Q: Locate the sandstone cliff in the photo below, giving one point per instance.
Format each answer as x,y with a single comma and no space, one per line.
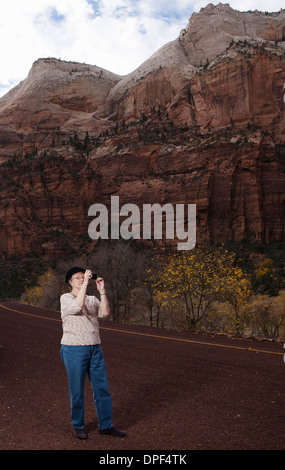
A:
201,121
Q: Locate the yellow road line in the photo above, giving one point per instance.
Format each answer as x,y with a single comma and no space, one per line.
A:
155,336
29,314
196,342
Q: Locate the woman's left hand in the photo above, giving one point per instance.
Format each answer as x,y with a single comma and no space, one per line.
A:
100,284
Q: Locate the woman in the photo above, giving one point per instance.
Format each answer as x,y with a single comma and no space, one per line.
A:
81,350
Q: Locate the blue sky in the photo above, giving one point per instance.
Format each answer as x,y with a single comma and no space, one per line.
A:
117,35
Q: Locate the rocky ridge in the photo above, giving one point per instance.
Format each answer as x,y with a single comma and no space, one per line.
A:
201,121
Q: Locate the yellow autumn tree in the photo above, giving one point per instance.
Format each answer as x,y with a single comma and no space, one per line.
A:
201,277
37,295
266,315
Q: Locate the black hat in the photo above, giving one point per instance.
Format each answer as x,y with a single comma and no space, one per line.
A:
72,271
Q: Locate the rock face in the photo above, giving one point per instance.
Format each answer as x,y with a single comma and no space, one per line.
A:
55,95
201,121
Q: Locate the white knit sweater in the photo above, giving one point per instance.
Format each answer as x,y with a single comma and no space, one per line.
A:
80,325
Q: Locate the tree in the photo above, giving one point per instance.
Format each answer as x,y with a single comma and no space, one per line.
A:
46,292
266,279
266,315
201,277
152,302
123,268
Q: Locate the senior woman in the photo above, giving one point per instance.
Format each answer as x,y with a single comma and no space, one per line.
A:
81,350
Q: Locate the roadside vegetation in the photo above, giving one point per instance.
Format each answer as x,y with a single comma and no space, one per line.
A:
210,288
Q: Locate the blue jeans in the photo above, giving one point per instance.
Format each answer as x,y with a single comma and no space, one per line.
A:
80,361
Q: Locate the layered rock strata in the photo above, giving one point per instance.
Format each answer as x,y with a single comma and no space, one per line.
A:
202,121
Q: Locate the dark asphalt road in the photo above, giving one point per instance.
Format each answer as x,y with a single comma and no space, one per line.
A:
170,390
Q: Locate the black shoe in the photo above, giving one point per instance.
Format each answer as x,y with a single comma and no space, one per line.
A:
80,433
113,432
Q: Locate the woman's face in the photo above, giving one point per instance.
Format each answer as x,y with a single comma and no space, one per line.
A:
77,280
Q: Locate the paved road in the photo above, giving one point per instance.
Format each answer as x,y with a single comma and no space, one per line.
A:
171,391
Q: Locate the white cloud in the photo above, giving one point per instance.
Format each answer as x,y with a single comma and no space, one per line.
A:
117,35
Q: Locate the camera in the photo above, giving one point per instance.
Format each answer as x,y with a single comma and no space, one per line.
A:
94,275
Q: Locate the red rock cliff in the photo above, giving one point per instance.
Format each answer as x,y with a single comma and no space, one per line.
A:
201,121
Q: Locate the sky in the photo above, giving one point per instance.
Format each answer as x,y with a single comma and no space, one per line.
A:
117,35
